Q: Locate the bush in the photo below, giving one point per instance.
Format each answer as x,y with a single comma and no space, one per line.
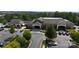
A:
50,32
17,42
27,34
23,42
12,29
13,44
75,36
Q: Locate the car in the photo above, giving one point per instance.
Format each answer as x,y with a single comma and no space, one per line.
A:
55,44
63,33
1,29
60,33
73,46
67,34
1,43
52,43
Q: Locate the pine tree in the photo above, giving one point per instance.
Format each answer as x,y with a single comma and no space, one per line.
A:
50,32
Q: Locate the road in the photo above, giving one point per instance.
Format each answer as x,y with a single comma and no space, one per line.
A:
37,38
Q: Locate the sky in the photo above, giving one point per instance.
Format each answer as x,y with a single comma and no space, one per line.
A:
39,5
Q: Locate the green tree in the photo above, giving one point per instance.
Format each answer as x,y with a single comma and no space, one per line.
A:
50,32
23,42
8,17
12,29
27,34
75,36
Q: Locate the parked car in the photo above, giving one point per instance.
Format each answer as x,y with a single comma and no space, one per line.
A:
63,33
1,43
1,29
67,34
51,43
73,46
60,33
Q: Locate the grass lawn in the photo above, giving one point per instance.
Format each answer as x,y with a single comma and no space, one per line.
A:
74,35
16,42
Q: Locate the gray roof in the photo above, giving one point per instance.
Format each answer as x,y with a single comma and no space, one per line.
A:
51,20
15,21
70,24
28,22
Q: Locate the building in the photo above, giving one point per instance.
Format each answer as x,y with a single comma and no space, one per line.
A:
17,22
42,22
60,23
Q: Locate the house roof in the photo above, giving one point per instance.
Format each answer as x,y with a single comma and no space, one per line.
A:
28,22
15,21
68,23
51,20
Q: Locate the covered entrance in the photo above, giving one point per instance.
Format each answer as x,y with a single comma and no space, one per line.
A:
61,28
61,25
37,24
37,27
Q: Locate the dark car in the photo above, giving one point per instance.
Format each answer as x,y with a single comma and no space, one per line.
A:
67,34
60,33
64,33
1,29
73,46
1,43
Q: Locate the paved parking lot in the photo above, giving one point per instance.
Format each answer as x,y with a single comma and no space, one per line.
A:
5,34
63,41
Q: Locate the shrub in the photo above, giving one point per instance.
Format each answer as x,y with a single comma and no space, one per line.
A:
27,34
12,29
17,42
75,36
23,42
13,44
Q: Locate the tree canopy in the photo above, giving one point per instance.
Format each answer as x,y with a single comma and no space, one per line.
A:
50,32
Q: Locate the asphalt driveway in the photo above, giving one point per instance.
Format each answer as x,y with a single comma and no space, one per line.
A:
36,38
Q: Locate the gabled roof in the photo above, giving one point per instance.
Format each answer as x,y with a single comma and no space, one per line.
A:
15,21
50,20
28,22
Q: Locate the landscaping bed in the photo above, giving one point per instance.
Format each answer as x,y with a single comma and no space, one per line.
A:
75,36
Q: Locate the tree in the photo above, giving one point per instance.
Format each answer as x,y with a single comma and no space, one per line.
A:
75,36
50,32
23,42
8,17
27,34
12,29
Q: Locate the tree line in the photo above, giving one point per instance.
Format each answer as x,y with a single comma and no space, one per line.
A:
73,17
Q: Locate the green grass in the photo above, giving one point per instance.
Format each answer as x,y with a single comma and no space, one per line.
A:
74,35
71,30
14,43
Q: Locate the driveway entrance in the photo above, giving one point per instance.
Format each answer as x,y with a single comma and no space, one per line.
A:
61,28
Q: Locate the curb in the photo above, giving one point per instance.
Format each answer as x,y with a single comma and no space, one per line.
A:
41,44
30,43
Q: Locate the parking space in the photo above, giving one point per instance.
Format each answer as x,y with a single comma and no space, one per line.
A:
63,41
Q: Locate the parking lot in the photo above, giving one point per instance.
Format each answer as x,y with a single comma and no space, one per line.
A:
5,34
63,41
